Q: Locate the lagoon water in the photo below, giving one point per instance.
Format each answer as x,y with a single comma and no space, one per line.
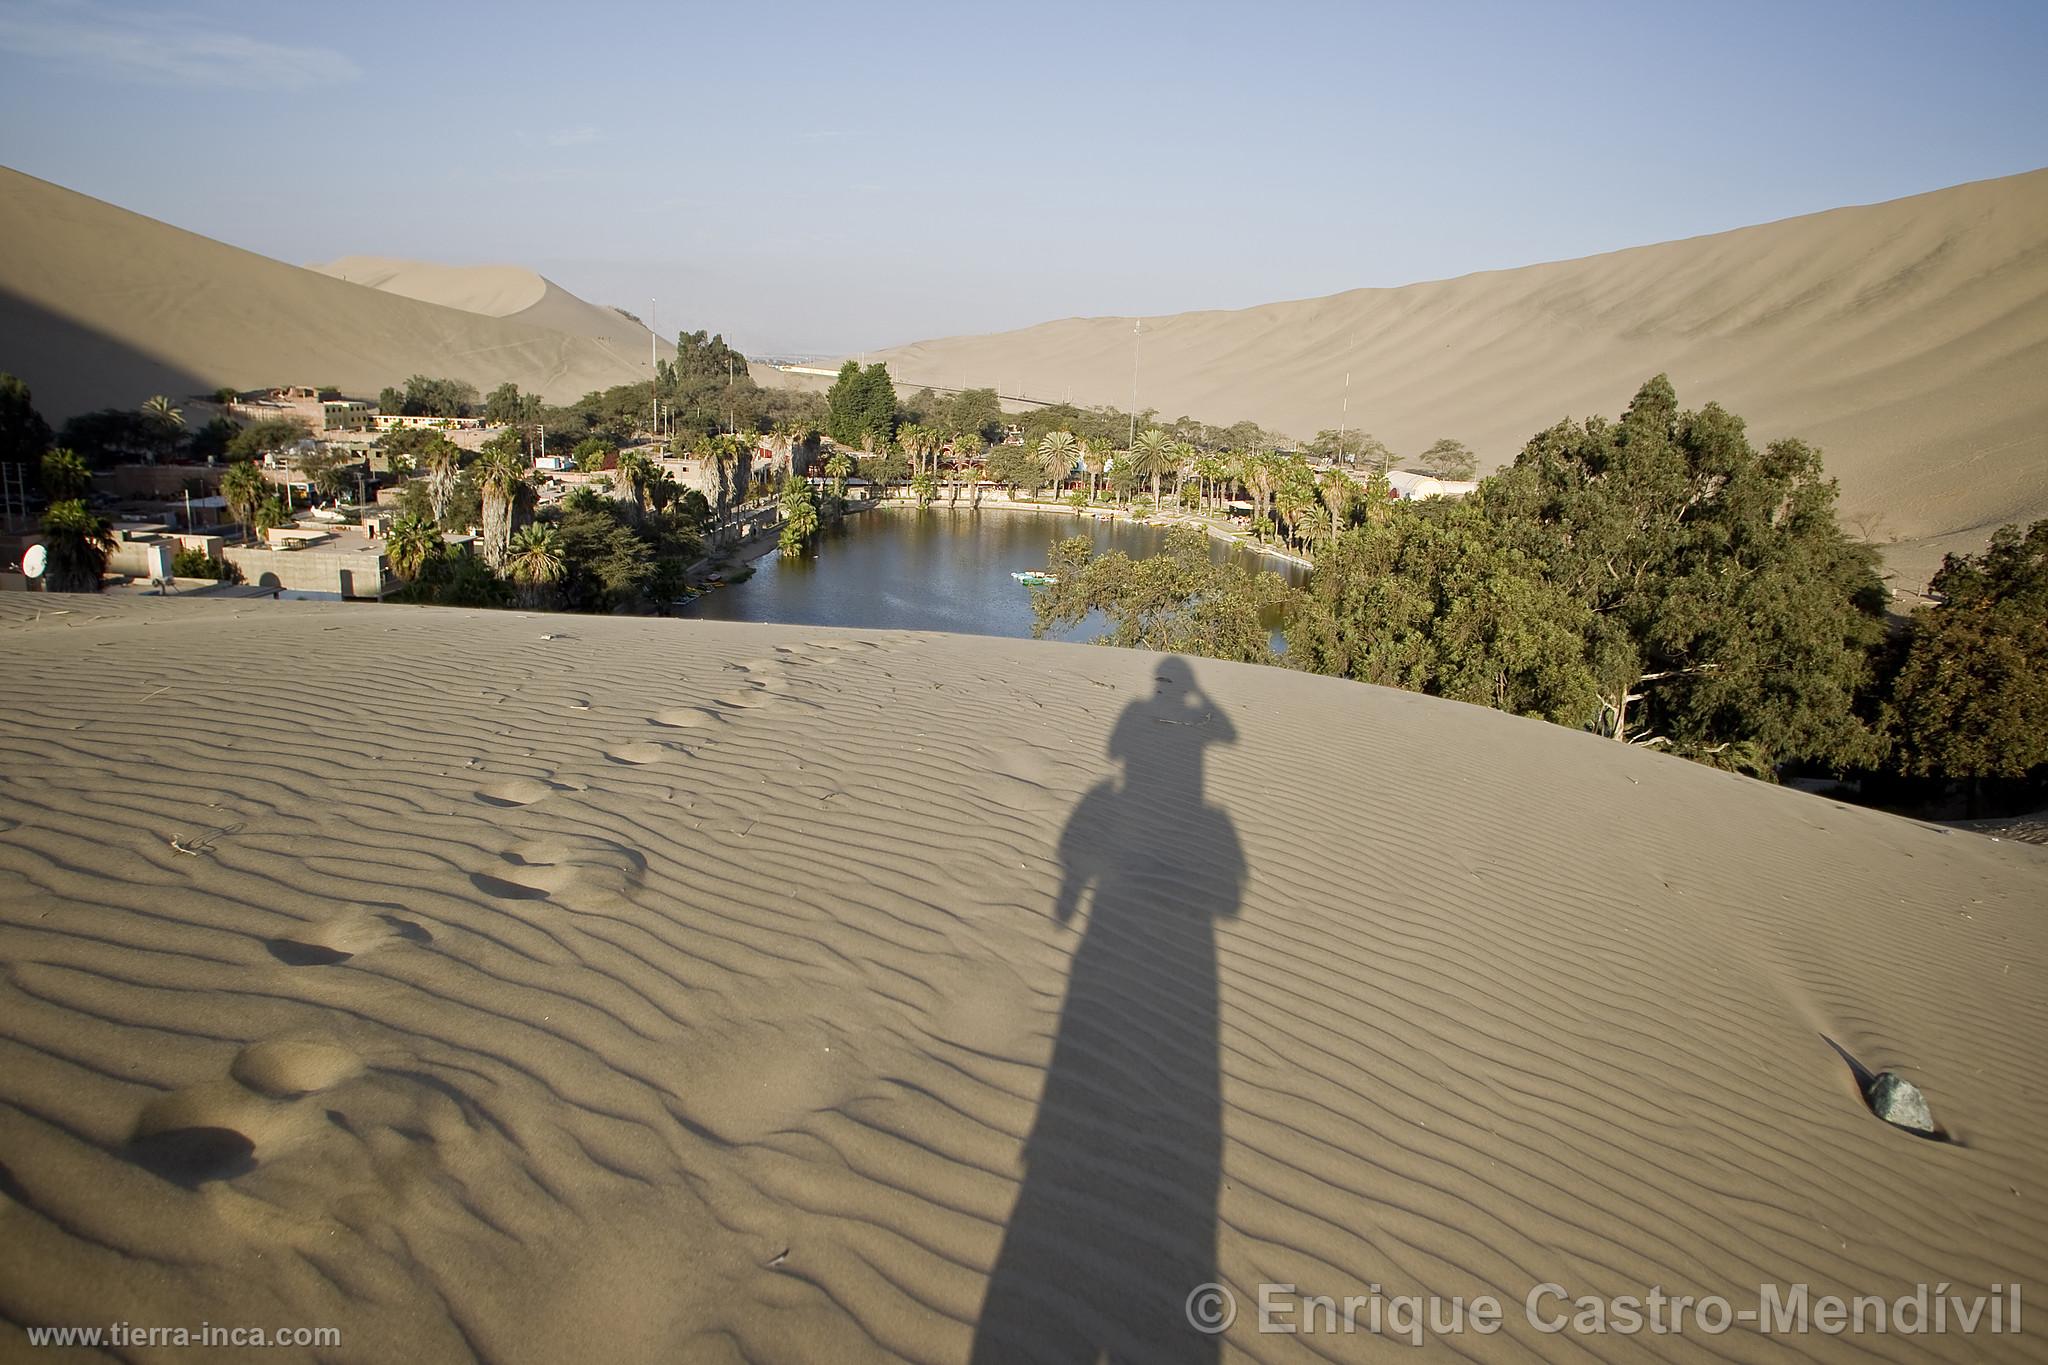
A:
898,568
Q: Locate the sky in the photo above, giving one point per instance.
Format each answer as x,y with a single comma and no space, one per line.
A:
824,179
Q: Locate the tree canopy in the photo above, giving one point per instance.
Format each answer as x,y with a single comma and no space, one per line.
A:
1970,699
860,409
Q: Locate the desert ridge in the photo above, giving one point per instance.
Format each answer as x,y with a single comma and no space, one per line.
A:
1902,338
796,993
101,305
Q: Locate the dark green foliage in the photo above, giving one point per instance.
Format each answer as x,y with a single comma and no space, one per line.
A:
1016,467
1729,613
410,447
114,436
196,563
425,397
1179,600
78,542
267,436
800,518
1448,459
1432,600
615,559
860,410
24,435
1970,699
506,405
64,476
210,442
886,469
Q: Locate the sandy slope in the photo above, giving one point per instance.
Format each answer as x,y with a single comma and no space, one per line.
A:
499,291
537,988
99,306
1907,339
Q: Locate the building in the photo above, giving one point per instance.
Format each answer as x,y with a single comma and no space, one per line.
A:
323,410
397,421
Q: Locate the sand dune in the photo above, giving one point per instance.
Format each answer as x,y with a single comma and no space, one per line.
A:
99,306
672,990
499,291
1907,339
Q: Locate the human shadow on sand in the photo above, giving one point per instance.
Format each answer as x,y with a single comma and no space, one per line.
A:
1115,1223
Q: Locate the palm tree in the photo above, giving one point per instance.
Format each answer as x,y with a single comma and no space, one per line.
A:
1184,457
1152,454
444,468
1094,459
78,543
535,562
411,546
918,442
1260,478
638,474
244,488
1056,454
1340,493
165,413
502,475
65,476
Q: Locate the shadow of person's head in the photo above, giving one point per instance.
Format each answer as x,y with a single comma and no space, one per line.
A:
1159,739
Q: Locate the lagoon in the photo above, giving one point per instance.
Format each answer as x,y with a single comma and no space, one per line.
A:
941,568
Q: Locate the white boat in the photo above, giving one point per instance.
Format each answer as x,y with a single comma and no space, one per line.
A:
1037,578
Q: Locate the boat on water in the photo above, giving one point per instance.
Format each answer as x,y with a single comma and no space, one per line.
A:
1037,578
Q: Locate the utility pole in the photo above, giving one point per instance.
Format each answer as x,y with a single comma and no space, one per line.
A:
1344,418
1137,331
653,371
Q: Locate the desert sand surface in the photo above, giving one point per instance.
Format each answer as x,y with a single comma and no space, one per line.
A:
102,307
498,291
1908,340
532,988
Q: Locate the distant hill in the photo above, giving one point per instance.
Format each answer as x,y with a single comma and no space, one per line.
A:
100,307
1908,339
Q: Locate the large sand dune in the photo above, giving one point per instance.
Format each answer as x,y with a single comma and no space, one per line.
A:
532,989
1909,340
499,291
102,307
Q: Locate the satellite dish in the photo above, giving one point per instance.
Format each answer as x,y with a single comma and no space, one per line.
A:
35,561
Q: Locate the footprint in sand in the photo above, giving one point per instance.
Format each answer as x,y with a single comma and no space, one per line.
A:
284,1070
637,753
517,791
578,870
343,937
684,718
222,1129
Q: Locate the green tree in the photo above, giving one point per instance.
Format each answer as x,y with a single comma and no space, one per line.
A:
1431,599
1153,454
925,485
78,542
413,547
1448,459
166,414
1178,600
268,436
1730,617
534,563
425,397
799,516
24,435
244,488
1970,698
501,476
1057,453
506,406
839,469
65,476
1094,459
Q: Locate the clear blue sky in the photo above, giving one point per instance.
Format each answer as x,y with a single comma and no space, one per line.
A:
840,176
